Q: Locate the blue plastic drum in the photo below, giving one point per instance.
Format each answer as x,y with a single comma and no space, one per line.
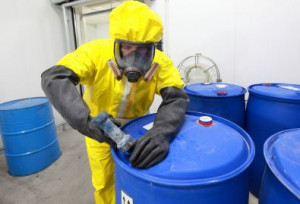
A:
271,108
281,180
207,163
29,135
221,99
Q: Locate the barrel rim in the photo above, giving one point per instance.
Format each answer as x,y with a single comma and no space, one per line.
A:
16,100
192,182
271,97
244,91
267,147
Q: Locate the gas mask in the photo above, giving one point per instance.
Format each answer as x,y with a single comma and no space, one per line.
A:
133,60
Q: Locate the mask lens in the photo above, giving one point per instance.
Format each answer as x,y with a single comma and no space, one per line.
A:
134,56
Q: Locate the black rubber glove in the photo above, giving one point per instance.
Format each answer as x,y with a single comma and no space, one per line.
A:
153,147
59,84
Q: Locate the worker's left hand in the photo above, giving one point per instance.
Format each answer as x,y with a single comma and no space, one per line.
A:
153,147
149,150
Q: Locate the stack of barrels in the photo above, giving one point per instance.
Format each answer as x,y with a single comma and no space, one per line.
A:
225,149
271,108
211,160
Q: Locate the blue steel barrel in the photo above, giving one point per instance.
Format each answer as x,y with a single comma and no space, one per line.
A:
271,108
29,135
207,163
281,180
221,99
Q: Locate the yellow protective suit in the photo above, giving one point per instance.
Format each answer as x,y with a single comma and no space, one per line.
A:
119,98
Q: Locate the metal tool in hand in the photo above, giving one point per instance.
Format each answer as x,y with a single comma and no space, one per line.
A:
124,142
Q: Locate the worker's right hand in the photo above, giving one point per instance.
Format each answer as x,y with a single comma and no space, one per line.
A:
115,121
99,135
96,133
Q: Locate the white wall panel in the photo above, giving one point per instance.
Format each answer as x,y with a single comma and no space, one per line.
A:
267,41
206,27
251,41
31,40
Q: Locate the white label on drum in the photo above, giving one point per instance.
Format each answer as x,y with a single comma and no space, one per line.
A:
221,86
149,126
290,88
126,199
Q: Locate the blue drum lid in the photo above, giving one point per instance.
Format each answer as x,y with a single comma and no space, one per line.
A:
22,103
214,89
282,154
202,153
277,90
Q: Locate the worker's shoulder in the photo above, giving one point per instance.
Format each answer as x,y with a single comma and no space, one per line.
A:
161,56
99,43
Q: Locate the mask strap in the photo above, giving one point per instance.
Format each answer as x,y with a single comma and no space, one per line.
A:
149,74
114,69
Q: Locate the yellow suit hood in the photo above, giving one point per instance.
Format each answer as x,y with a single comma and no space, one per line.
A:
136,22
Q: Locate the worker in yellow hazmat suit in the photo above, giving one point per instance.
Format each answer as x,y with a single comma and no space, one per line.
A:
121,75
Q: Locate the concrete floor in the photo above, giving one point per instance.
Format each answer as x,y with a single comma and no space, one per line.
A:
66,181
